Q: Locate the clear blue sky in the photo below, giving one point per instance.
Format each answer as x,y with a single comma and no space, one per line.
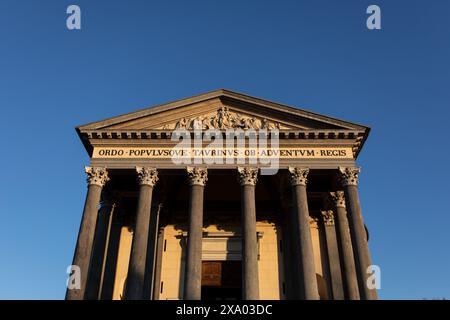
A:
317,55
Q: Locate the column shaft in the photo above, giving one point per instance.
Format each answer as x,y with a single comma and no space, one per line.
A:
359,242
98,253
358,234
307,272
345,248
136,270
97,177
337,286
308,288
193,272
250,281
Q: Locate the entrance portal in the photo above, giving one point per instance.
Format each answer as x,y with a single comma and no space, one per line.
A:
221,280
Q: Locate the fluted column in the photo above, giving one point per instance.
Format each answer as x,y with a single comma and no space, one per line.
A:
345,246
337,287
197,178
308,288
96,179
147,178
349,179
250,281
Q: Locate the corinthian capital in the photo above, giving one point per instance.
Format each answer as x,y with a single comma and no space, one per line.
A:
298,176
349,176
147,176
338,198
96,176
197,176
314,222
247,176
328,217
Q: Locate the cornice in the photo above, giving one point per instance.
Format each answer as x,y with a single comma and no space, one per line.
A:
166,134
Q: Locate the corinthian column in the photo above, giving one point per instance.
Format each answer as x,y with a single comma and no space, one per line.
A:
250,282
349,179
337,287
147,178
345,246
197,178
303,243
96,179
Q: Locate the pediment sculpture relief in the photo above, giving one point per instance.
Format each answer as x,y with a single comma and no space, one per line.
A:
224,119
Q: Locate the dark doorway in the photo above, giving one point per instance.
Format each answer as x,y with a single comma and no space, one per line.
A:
221,280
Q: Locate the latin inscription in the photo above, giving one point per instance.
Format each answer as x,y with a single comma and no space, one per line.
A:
167,152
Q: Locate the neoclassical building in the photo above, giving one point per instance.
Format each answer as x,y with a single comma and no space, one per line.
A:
159,224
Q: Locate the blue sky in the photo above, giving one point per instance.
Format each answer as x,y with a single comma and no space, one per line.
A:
316,55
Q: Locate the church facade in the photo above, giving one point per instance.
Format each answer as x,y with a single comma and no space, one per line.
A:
222,196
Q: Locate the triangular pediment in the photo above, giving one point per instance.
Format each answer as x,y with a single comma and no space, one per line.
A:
221,109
